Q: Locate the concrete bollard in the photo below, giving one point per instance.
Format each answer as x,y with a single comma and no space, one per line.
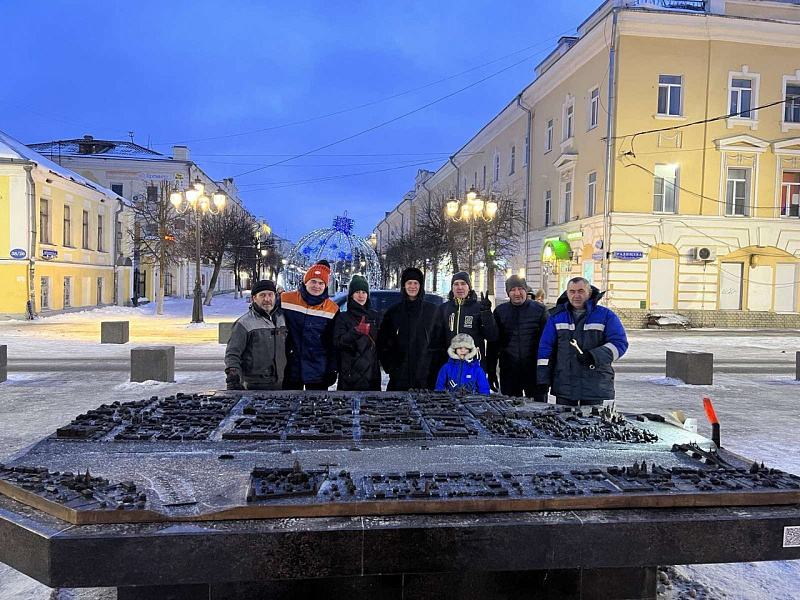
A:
797,367
4,362
225,328
114,332
153,363
694,368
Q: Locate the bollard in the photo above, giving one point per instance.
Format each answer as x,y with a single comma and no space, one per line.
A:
153,363
797,367
225,328
4,363
114,332
693,368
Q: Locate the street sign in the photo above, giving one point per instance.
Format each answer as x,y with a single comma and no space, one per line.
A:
18,253
49,254
628,254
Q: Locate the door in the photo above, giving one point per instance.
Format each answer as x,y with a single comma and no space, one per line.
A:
759,288
588,271
786,278
730,286
662,284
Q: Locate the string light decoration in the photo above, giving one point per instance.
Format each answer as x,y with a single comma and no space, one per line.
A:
348,254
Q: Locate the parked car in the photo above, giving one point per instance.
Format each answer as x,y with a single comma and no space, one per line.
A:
382,300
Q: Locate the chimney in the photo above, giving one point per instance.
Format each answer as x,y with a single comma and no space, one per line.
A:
180,153
88,138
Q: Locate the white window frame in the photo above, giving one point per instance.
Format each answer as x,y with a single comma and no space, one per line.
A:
527,150
567,123
567,193
101,234
789,186
755,81
44,292
663,192
591,193
669,87
548,208
789,80
100,285
484,177
45,221
513,166
748,182
594,108
496,170
548,136
475,180
68,291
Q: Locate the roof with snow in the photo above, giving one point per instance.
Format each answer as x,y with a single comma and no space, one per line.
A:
16,150
88,146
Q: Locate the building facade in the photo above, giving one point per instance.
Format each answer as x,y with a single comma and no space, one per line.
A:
61,242
661,160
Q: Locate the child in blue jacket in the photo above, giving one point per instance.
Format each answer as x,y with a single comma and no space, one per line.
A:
463,371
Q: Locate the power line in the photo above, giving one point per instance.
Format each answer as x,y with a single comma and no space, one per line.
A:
366,104
59,118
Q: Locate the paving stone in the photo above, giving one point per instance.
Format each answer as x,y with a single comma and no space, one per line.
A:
155,363
114,332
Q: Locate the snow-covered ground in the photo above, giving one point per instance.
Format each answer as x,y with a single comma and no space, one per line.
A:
58,369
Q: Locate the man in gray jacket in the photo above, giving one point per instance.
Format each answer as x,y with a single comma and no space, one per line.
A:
256,354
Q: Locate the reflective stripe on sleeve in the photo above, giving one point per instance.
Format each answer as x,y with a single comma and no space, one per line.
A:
594,327
570,326
613,348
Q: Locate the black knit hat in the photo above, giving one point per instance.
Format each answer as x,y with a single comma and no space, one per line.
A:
411,274
515,281
358,284
462,275
264,284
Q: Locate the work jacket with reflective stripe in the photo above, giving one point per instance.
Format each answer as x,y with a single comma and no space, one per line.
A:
599,333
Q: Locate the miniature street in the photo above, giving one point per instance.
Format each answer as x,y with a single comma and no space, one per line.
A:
58,369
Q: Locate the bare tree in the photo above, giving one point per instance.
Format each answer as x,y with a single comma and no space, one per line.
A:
242,253
155,228
503,236
438,235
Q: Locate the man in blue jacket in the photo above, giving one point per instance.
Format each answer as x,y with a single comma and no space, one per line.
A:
579,343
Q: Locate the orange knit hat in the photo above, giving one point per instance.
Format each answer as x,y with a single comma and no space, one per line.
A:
318,272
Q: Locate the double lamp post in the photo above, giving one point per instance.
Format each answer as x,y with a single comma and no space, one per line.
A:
470,209
194,198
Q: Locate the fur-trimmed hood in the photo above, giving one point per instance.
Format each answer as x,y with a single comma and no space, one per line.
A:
462,340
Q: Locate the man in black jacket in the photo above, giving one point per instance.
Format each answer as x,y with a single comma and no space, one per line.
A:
464,313
520,323
403,336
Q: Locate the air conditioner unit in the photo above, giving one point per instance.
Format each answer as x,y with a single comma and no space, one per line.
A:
704,254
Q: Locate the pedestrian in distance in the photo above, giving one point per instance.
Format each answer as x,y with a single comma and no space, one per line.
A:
355,332
463,313
520,323
579,344
404,334
309,312
462,372
255,357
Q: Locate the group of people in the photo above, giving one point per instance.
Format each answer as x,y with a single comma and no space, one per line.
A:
300,340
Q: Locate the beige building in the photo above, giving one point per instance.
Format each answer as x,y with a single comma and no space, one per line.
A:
664,160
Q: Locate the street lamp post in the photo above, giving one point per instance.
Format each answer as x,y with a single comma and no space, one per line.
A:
194,198
474,207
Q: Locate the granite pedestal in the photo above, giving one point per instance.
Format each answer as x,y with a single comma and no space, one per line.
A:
156,363
225,331
114,332
693,368
4,362
797,366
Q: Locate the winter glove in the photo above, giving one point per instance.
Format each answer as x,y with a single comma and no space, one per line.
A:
485,304
491,376
329,378
233,379
363,326
542,390
586,359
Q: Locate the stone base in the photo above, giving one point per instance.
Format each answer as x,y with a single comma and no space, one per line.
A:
155,363
565,584
225,331
114,332
4,356
694,368
3,374
636,318
797,367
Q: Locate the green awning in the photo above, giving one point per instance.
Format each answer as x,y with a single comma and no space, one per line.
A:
555,250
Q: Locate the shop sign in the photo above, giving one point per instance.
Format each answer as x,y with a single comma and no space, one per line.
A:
628,254
49,254
575,235
597,256
18,253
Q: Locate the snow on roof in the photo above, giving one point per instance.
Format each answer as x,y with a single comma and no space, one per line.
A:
11,148
103,148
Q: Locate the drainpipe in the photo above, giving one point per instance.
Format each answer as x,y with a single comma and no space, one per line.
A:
31,191
610,145
117,251
527,177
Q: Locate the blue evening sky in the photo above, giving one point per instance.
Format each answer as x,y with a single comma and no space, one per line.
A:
182,72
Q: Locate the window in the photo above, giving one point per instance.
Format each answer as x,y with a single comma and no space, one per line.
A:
44,220
513,166
475,180
99,291
101,234
594,107
737,192
548,138
67,225
790,194
527,150
792,104
665,187
44,292
116,188
484,178
67,292
569,121
669,94
567,200
741,98
118,226
152,194
591,193
496,167
548,207
85,232
169,284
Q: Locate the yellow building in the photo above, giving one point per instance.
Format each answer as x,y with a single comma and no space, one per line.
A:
660,160
61,243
